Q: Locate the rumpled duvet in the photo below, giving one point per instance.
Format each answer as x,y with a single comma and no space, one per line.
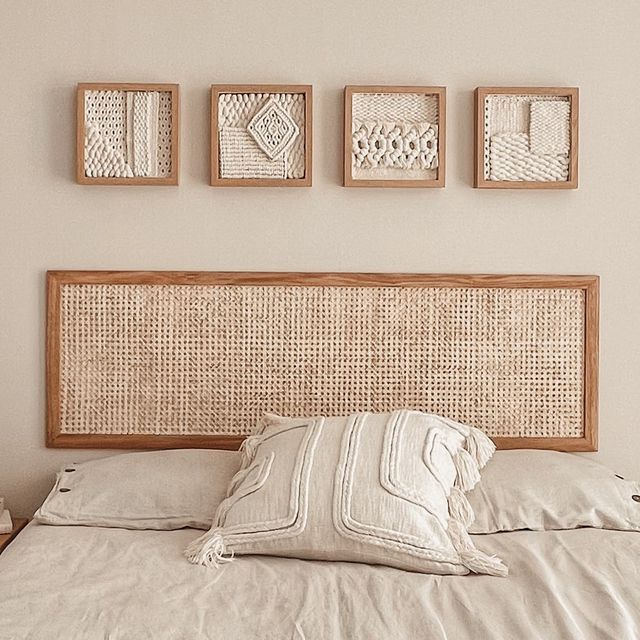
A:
86,583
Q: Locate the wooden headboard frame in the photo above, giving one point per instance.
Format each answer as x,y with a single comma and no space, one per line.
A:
90,318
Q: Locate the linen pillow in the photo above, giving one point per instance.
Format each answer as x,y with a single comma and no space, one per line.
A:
374,488
544,490
152,490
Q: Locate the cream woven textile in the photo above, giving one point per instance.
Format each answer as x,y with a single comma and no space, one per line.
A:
399,107
394,136
526,138
241,157
186,359
512,159
236,111
549,127
128,133
373,488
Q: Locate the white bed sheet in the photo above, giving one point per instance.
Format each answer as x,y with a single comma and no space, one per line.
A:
77,583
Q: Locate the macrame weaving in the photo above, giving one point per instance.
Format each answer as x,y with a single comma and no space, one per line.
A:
130,127
526,138
240,157
255,113
549,128
390,145
394,107
187,359
511,159
394,136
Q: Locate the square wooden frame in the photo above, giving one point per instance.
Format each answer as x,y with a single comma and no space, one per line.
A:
174,89
56,279
439,92
480,182
307,90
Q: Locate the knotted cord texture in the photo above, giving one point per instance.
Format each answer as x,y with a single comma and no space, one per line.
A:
236,110
112,119
542,121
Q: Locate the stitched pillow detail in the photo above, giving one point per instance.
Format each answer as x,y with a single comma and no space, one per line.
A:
375,488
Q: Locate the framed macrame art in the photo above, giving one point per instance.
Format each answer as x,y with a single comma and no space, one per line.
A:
127,134
394,136
526,138
261,135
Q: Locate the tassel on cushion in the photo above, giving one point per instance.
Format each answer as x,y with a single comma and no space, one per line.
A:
478,562
480,446
248,449
468,475
459,507
209,550
474,559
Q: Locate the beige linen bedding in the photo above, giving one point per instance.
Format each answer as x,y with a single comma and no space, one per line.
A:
85,583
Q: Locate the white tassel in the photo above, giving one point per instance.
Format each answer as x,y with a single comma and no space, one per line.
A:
478,562
459,507
480,446
467,469
474,559
248,449
209,550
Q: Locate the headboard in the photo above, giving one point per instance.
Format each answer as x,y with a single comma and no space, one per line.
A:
192,359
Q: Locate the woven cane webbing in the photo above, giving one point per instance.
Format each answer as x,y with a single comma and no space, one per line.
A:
196,359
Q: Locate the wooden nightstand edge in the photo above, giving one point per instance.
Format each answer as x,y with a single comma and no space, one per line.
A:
7,538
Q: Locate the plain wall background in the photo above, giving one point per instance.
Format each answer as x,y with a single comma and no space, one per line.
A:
47,221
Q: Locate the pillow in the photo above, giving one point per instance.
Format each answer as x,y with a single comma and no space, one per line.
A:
544,490
375,488
154,490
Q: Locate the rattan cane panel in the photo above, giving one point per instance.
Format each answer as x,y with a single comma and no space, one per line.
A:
191,359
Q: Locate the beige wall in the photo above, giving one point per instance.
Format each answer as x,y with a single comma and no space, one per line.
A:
48,221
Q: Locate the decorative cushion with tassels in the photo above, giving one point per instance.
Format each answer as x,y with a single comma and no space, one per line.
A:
376,488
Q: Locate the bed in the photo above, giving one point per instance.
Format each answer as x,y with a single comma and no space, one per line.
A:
528,347
81,583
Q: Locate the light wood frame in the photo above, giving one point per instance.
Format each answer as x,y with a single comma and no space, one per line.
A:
480,182
307,91
441,95
173,89
56,279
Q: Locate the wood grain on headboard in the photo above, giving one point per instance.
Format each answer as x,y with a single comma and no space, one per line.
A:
192,359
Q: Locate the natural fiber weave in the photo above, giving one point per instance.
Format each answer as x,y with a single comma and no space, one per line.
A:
240,157
549,127
108,118
395,107
164,134
107,110
237,109
511,159
394,145
509,114
142,132
187,359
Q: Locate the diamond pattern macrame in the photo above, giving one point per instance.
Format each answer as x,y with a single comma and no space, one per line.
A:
273,129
